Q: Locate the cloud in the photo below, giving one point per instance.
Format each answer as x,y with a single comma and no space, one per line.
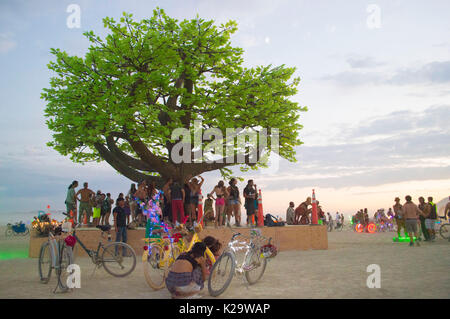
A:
6,42
437,72
363,62
401,146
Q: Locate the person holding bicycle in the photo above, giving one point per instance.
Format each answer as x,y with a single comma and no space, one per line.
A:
188,273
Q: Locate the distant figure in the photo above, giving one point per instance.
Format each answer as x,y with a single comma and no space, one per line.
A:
208,210
290,214
411,214
131,194
177,196
107,207
250,196
167,208
71,199
120,221
301,213
221,193
85,202
425,208
195,186
99,198
233,200
431,218
398,216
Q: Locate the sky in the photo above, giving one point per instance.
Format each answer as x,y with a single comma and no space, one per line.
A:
375,76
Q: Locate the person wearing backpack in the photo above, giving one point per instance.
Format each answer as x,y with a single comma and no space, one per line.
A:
430,219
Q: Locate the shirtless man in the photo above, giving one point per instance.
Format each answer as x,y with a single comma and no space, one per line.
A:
85,205
301,212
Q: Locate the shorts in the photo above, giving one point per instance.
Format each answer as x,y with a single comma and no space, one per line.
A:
85,206
429,223
193,200
71,207
411,225
220,201
233,201
97,212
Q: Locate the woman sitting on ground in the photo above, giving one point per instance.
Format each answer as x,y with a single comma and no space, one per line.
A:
188,273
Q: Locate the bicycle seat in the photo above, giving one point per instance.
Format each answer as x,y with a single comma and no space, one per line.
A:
104,228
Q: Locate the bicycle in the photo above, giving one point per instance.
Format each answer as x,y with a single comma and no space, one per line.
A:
253,265
118,258
160,253
339,226
55,254
18,229
444,229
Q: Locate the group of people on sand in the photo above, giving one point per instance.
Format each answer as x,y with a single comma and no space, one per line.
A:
417,220
95,205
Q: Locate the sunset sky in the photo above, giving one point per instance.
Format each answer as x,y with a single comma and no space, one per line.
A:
378,124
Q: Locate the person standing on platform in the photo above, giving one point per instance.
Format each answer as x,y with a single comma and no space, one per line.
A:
71,199
85,202
177,196
250,196
221,195
233,200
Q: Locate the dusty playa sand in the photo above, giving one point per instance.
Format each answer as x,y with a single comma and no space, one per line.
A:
339,272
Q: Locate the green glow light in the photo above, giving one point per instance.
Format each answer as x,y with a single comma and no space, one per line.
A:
6,255
403,239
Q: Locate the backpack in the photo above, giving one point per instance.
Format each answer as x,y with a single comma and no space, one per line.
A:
271,221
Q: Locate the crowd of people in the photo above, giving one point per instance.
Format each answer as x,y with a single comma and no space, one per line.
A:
179,203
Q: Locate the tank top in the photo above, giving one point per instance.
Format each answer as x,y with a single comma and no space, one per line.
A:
234,192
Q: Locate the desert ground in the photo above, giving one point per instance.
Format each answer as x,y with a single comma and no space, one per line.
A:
339,272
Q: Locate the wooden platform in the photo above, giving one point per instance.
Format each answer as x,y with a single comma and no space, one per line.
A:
286,238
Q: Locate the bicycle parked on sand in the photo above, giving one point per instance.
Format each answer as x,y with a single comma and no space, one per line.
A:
444,229
55,254
257,250
18,229
160,253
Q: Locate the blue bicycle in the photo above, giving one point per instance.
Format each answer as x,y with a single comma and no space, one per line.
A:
18,229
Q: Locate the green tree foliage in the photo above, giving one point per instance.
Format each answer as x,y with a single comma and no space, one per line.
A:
121,102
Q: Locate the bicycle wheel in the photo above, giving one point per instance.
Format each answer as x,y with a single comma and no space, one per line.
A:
45,263
154,267
254,267
8,232
118,259
340,227
221,274
444,231
65,259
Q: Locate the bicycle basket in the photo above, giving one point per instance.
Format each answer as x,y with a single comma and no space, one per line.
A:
269,251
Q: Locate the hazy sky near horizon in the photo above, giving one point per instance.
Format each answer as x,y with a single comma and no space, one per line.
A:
378,124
